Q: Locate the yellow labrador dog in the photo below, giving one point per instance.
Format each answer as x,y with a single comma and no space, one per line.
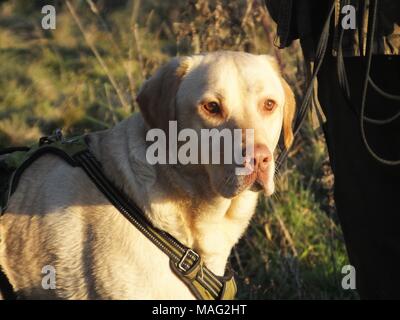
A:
58,218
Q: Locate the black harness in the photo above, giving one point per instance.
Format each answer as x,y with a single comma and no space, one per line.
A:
184,261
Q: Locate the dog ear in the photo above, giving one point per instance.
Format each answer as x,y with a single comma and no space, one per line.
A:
157,95
288,114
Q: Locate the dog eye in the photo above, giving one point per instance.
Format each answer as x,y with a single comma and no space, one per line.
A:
269,104
212,107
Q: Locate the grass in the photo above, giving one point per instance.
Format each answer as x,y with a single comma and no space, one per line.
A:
84,76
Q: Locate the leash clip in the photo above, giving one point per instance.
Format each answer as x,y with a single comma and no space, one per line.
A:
185,256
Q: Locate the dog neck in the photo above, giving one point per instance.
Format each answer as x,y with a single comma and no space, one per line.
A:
207,222
175,201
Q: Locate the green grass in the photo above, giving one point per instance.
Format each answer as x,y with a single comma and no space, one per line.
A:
294,246
293,249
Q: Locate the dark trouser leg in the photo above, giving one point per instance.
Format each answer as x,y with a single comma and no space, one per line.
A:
367,193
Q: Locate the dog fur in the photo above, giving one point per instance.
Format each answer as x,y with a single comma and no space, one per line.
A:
58,217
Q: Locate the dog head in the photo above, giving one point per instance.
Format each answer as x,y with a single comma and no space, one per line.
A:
225,91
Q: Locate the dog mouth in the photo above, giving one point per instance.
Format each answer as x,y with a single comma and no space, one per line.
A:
257,182
256,186
233,185
249,182
250,179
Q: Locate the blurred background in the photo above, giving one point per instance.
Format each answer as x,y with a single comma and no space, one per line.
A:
84,75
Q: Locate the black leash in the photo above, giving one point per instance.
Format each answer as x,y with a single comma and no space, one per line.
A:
319,58
364,94
367,81
341,70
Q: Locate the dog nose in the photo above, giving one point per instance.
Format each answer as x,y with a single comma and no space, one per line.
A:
262,156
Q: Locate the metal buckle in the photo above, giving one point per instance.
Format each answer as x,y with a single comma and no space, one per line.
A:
188,251
56,136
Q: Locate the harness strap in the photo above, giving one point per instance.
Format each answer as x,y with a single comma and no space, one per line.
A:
184,262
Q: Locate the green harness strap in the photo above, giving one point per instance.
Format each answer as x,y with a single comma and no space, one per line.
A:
184,262
12,164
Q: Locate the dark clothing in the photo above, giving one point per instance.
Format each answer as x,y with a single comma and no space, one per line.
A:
303,19
366,192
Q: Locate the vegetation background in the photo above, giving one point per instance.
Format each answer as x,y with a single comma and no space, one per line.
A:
84,76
